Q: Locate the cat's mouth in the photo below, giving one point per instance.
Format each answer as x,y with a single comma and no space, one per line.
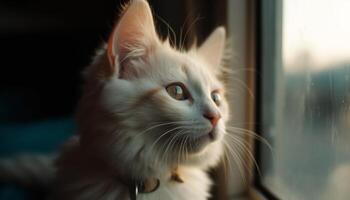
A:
199,143
213,135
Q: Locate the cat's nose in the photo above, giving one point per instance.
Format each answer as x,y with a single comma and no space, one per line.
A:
212,117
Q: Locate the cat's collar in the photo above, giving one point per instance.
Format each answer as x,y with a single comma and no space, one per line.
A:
149,185
143,186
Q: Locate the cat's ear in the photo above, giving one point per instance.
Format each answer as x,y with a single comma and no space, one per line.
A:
134,36
212,49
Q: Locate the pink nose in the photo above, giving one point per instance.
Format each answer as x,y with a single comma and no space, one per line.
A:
212,117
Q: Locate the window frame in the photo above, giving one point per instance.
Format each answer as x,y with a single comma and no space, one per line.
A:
242,30
267,57
253,51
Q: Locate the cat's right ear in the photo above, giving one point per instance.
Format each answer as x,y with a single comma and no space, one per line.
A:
213,48
134,37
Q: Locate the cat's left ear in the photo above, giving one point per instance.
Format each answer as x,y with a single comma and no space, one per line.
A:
213,48
134,37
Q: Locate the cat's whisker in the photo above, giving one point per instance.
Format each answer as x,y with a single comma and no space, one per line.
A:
241,83
242,131
243,145
238,163
164,124
241,123
155,126
181,31
184,150
152,128
179,155
177,135
233,72
188,30
224,161
228,160
169,145
169,27
236,158
181,140
241,152
163,134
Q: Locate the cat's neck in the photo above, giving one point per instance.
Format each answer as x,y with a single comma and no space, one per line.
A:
132,168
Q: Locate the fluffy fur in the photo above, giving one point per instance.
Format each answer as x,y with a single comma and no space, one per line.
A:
130,127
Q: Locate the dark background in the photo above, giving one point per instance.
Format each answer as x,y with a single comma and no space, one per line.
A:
45,44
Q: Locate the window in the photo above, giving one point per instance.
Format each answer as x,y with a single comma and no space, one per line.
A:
304,98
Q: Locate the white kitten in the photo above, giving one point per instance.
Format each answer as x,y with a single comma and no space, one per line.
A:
149,115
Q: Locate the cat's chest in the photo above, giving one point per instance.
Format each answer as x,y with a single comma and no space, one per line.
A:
195,185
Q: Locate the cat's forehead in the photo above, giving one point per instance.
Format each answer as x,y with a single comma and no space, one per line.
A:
198,72
173,66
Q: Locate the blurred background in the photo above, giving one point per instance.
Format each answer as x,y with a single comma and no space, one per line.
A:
305,99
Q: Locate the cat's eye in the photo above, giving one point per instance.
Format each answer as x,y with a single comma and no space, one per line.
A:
216,97
177,91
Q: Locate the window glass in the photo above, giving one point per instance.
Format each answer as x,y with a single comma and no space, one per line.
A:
306,99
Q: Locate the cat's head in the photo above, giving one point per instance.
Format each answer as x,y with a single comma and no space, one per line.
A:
151,103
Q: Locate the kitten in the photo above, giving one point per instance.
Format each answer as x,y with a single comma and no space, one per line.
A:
151,118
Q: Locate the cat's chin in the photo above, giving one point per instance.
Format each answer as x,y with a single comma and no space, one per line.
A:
198,144
206,157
